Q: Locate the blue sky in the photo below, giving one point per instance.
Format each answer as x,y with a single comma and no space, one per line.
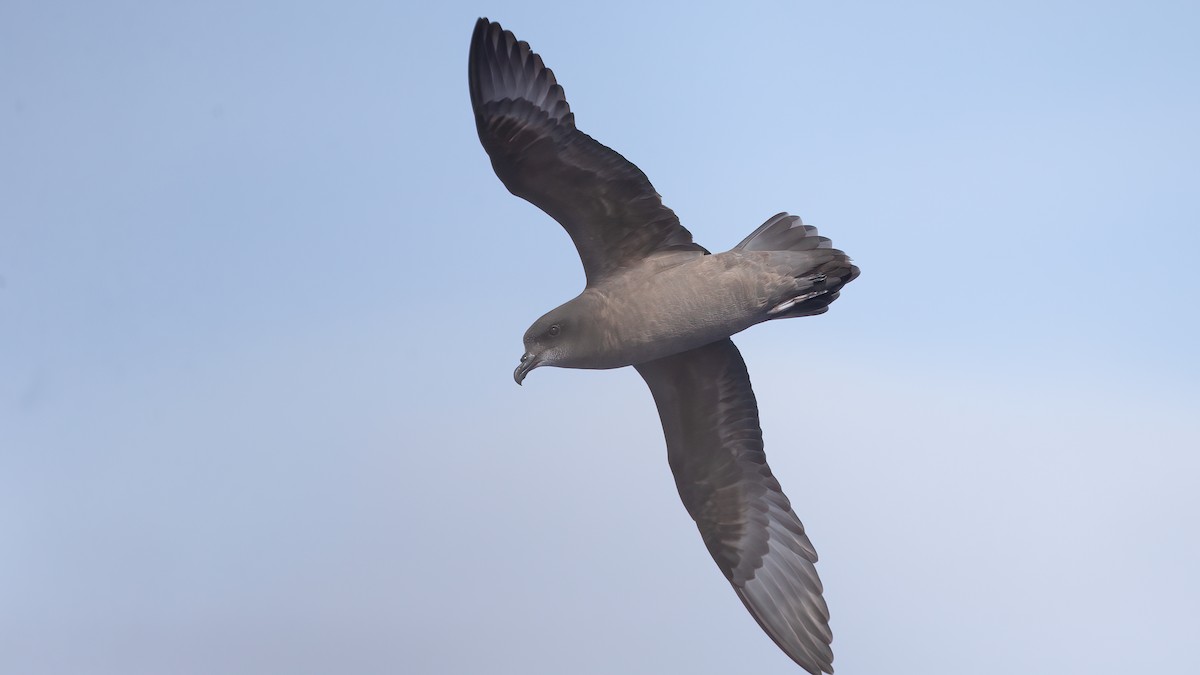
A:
261,297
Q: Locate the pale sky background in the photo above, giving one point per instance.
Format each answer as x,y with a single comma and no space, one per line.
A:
261,297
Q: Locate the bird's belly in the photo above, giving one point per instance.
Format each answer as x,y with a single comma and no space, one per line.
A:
672,313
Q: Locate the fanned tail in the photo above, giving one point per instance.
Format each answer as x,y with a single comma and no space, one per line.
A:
819,269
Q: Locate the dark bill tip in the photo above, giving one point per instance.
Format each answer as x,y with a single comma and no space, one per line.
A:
528,363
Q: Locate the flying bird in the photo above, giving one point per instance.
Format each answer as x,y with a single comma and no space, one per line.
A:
659,302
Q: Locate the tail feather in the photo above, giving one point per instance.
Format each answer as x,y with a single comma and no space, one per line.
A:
784,232
820,271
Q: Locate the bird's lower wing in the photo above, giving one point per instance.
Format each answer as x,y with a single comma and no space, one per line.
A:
715,448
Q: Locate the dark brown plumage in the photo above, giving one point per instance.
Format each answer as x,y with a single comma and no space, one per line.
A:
659,302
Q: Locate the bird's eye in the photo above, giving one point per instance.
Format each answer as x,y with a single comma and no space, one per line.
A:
554,330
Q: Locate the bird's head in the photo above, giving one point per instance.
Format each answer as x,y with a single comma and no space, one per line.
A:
560,338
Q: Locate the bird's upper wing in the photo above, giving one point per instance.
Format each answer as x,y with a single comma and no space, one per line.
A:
605,203
715,448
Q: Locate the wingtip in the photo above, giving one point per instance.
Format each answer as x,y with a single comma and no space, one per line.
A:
481,27
501,66
812,652
475,57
